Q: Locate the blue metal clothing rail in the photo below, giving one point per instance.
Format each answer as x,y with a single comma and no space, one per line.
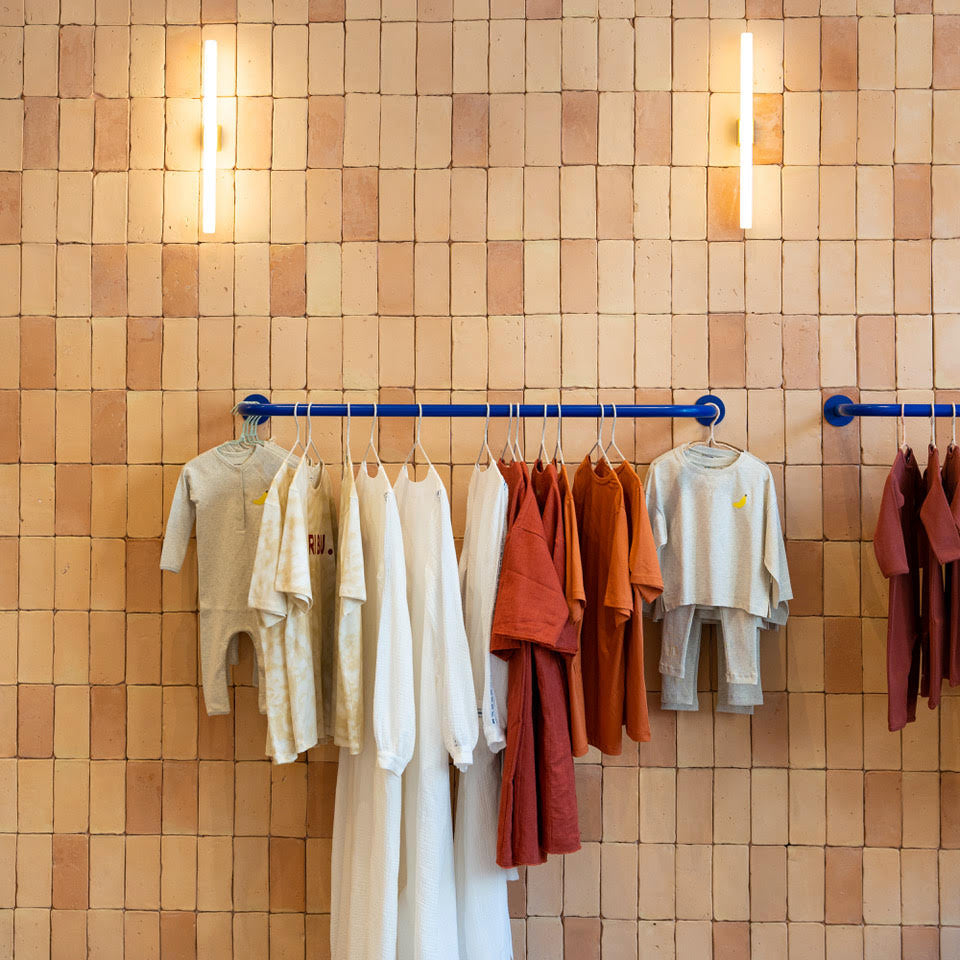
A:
708,409
839,410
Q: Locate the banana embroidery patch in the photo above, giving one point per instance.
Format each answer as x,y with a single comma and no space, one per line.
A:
741,502
262,499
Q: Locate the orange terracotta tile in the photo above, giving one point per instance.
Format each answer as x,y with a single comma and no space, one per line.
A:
326,10
731,940
838,59
288,279
108,707
912,199
950,810
143,796
505,277
946,41
70,865
76,61
111,122
218,11
108,268
579,119
41,133
35,720
581,937
768,128
801,352
360,206
179,797
181,278
471,123
143,575
652,136
287,877
9,208
325,127
38,353
882,806
728,350
843,885
178,935
321,787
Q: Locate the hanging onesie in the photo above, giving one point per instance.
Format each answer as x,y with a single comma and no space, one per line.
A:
446,720
483,913
365,858
222,491
307,572
715,523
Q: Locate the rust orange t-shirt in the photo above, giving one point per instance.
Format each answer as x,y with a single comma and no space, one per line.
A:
647,584
556,785
605,552
576,601
530,614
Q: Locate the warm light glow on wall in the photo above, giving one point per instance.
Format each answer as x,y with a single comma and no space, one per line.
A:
208,155
746,131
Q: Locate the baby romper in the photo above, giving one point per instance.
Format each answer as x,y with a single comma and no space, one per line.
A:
222,491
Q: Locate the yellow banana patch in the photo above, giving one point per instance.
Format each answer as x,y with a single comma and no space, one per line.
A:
741,502
262,499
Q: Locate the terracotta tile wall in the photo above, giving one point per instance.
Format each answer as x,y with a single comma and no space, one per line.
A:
453,199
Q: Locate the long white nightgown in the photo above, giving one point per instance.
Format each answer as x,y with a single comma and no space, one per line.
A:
366,824
484,915
446,721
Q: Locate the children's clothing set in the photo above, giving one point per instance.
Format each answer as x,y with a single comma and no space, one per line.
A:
918,530
718,537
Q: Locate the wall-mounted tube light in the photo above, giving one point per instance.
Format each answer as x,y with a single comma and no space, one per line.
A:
208,153
746,131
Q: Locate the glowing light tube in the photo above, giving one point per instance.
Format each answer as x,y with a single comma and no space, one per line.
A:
746,131
208,153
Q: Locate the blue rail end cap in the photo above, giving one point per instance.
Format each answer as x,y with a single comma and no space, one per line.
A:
718,403
831,410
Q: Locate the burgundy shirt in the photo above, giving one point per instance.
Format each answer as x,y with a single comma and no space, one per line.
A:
951,489
895,546
939,543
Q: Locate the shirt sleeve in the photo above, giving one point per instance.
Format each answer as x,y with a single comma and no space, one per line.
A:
775,556
644,565
531,606
352,592
618,594
293,556
263,595
658,522
180,523
939,525
458,697
888,544
394,710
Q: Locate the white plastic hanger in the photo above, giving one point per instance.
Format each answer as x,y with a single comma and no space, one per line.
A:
902,444
485,446
517,448
296,443
371,446
542,457
613,436
598,446
712,442
507,447
558,449
416,441
310,441
248,436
